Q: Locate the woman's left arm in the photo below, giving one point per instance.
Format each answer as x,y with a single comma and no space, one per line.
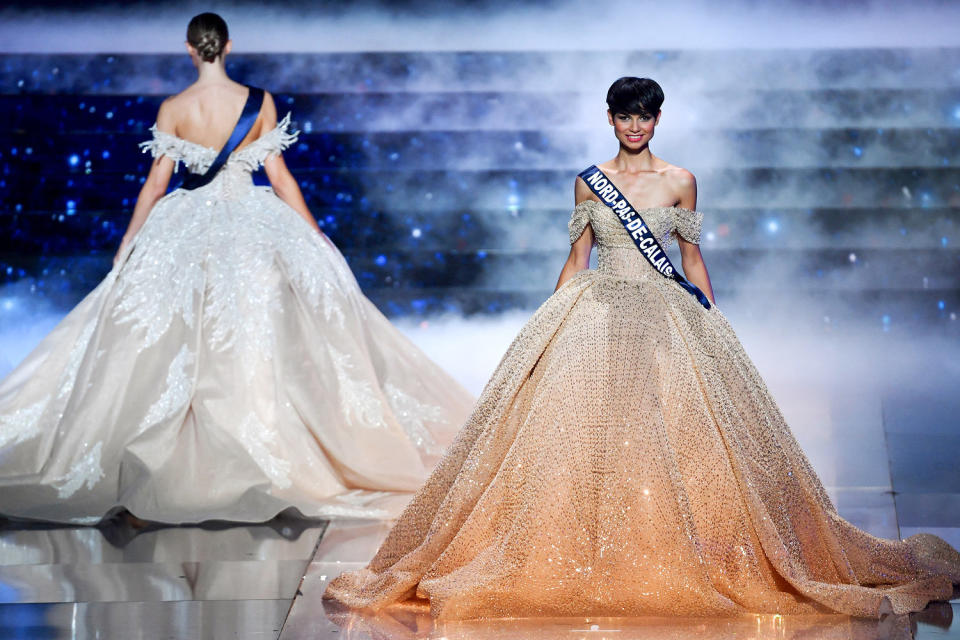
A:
694,268
282,181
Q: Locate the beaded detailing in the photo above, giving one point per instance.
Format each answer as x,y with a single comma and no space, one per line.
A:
176,395
665,222
626,459
22,424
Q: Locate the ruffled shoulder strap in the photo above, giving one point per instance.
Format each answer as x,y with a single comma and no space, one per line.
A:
269,144
687,224
280,137
579,219
195,156
164,144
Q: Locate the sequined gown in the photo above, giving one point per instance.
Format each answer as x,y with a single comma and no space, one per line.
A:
627,459
228,367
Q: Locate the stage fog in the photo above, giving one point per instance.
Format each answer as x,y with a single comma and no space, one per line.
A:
439,148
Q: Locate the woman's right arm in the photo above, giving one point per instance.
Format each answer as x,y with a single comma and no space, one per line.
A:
579,257
154,186
282,181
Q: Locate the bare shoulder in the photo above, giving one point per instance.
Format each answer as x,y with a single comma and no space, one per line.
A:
679,177
169,114
268,112
683,185
581,192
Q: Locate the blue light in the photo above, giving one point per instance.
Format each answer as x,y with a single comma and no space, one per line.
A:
73,160
513,204
941,305
956,112
381,260
481,254
71,204
773,226
105,154
943,241
857,151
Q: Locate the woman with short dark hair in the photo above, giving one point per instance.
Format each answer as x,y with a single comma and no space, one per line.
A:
626,458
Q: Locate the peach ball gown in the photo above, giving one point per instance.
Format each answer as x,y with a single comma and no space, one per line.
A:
626,459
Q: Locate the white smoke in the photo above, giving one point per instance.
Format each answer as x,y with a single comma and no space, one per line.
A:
689,24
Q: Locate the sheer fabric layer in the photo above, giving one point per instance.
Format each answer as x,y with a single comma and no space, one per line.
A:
626,458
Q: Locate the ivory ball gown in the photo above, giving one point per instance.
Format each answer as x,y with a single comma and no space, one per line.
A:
626,459
228,367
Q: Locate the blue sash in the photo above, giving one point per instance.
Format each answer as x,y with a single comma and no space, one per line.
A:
646,242
251,109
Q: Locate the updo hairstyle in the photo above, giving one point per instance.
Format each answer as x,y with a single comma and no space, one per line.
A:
635,96
207,33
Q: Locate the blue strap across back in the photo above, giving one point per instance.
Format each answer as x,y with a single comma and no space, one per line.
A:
251,109
639,232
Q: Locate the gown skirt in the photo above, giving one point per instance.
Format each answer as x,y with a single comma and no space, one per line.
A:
228,367
627,459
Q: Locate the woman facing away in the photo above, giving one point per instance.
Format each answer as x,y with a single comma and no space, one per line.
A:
626,458
228,366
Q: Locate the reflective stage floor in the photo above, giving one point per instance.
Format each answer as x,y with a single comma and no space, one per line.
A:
879,425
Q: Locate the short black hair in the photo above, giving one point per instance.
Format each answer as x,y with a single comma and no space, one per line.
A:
635,96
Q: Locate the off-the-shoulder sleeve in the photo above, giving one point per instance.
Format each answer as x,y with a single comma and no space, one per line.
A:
164,144
281,137
269,144
688,224
579,220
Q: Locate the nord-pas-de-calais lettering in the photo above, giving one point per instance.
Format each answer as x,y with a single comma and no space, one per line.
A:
642,236
639,231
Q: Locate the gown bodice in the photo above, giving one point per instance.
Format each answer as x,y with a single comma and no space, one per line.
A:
617,254
236,173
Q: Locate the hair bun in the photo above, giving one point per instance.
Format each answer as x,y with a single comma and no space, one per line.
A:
209,46
207,33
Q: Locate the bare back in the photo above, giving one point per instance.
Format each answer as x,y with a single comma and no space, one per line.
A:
206,113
